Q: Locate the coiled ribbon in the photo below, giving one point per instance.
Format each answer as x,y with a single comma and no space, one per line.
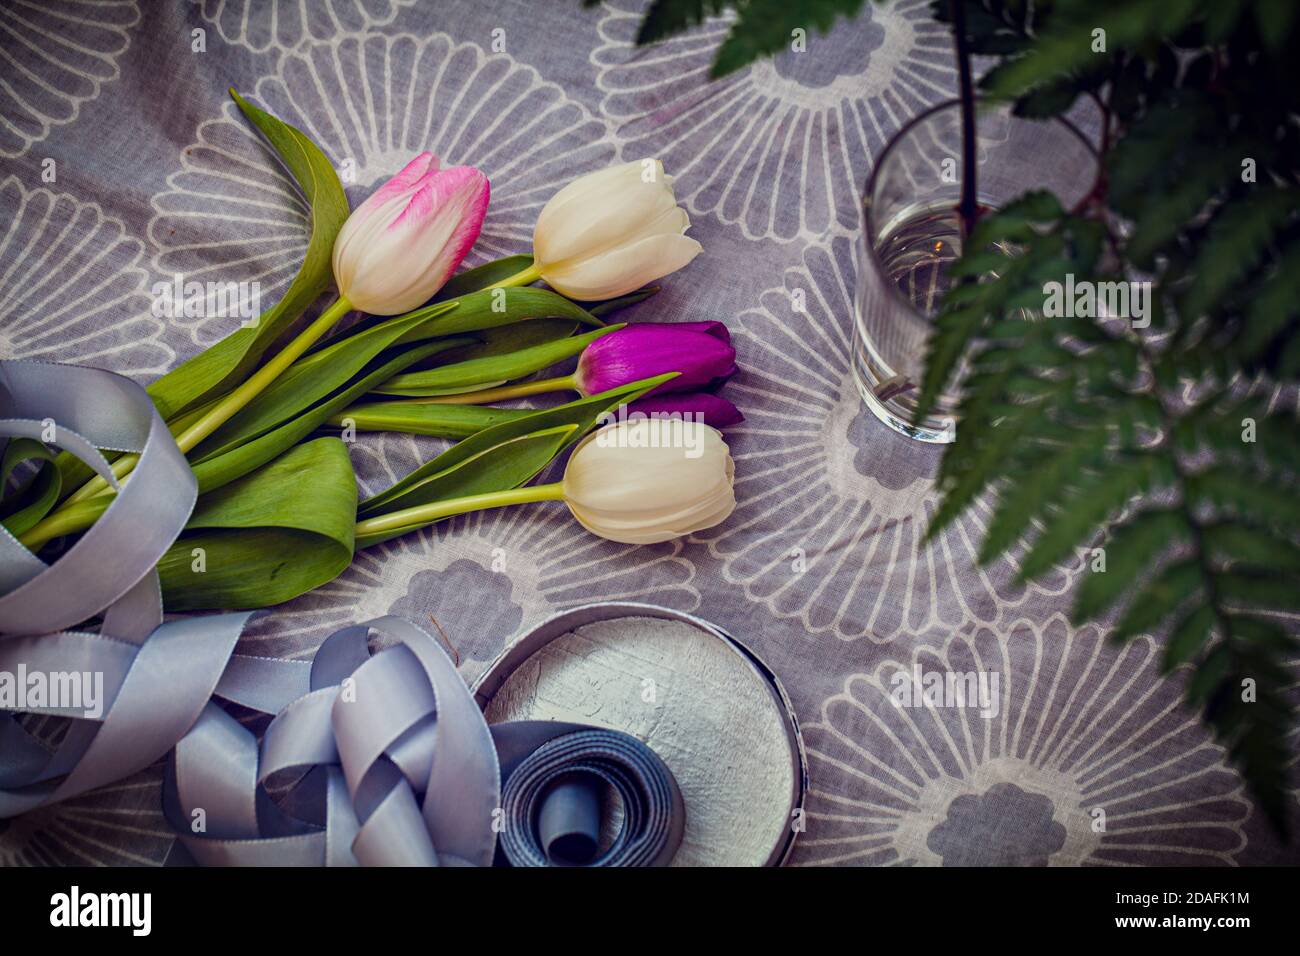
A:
373,757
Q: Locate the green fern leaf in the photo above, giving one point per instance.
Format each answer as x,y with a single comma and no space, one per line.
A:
1235,245
1160,598
1095,498
1132,550
1188,637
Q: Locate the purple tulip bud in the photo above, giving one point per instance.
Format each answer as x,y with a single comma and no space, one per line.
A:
717,411
700,351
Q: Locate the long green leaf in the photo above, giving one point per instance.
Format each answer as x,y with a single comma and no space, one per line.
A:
31,501
480,277
490,369
439,421
229,361
219,470
506,465
306,382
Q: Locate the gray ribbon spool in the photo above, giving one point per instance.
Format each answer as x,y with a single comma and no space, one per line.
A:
362,730
529,661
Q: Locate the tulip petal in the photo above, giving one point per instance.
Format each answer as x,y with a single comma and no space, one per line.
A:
714,410
398,256
641,481
616,213
620,271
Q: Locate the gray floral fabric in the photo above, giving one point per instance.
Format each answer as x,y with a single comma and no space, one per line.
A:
125,163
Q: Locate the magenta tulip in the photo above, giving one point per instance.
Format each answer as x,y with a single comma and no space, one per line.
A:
700,351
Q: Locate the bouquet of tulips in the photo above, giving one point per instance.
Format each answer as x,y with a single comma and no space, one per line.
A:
278,512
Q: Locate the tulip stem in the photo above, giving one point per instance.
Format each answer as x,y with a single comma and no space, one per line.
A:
486,395
69,517
229,406
526,277
410,519
67,520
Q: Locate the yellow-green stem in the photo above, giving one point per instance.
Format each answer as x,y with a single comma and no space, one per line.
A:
67,520
123,464
409,519
263,377
531,274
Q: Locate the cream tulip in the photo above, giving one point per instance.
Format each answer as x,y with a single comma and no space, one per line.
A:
644,480
610,232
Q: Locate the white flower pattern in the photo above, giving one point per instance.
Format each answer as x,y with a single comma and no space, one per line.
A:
1090,759
780,148
274,25
46,78
71,285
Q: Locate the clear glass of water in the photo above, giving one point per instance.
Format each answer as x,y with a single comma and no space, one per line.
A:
911,234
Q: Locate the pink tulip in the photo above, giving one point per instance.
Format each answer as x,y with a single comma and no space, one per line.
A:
400,245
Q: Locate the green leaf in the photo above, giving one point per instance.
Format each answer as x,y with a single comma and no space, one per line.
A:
1164,214
1259,589
507,464
1276,305
492,308
32,500
439,421
953,332
1251,545
230,361
1068,46
316,375
583,413
1097,497
1277,18
268,537
1188,637
489,370
765,27
511,338
1243,494
667,17
480,277
1238,237
306,382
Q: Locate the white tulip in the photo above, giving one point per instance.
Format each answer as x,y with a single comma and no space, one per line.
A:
610,232
641,481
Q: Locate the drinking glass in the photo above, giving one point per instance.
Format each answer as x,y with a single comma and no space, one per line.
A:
911,235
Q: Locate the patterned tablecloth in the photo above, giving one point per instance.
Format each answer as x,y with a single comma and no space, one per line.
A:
125,163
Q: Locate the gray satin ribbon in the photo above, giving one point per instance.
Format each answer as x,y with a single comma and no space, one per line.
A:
379,758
